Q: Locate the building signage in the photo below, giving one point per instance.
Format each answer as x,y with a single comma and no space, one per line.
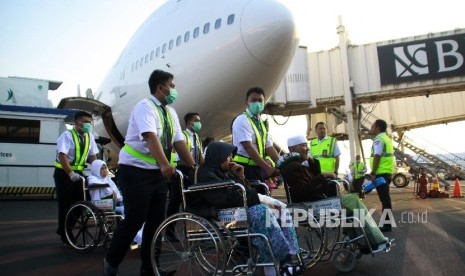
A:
426,59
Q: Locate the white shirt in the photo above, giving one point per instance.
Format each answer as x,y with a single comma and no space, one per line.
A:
242,131
144,118
65,144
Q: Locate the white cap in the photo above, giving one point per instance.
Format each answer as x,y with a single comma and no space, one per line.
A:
296,140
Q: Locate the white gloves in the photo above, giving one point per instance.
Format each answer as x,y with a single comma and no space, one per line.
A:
74,176
271,202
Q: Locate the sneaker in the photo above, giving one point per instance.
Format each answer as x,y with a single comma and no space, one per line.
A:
109,270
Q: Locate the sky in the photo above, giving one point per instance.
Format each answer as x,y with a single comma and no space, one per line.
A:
77,42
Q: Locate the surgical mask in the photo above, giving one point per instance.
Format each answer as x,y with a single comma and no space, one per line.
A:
171,98
256,107
197,126
86,127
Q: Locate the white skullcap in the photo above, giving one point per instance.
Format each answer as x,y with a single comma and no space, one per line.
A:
296,140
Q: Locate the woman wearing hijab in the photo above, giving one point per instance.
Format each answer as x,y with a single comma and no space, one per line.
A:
100,176
219,167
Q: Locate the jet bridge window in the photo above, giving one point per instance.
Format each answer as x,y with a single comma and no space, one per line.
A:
218,23
206,28
19,131
178,40
196,32
230,19
187,35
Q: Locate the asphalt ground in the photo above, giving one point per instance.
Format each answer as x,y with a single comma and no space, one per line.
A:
429,240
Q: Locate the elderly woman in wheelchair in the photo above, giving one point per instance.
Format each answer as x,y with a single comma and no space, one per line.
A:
219,167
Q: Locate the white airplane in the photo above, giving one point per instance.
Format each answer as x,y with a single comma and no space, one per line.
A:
216,50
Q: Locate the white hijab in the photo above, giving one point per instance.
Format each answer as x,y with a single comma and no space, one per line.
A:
96,178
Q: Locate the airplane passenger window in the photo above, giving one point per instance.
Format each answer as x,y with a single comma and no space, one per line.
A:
217,23
178,41
196,32
206,28
158,52
151,55
187,36
230,19
146,58
137,64
141,61
132,68
163,50
171,44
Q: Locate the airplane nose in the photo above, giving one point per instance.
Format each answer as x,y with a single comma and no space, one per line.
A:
268,31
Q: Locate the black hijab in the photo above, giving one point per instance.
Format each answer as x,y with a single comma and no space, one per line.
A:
217,153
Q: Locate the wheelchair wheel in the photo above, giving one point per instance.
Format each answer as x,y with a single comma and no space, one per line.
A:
196,249
83,228
344,260
310,235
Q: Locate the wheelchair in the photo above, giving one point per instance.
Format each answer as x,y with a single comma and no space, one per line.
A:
91,223
330,240
208,246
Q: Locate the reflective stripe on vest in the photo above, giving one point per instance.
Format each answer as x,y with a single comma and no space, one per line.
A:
79,157
260,139
327,161
387,162
149,158
358,170
244,160
189,142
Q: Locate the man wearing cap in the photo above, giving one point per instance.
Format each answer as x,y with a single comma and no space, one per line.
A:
251,138
325,149
303,174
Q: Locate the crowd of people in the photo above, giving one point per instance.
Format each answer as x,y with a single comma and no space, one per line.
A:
155,146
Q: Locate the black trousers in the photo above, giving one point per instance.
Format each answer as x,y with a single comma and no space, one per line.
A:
384,196
68,193
144,194
357,186
252,173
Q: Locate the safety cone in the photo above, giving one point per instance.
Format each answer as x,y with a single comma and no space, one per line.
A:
457,192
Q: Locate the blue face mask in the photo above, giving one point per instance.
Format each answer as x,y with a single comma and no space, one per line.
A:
256,107
86,127
171,98
197,126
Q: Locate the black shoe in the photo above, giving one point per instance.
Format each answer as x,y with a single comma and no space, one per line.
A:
385,229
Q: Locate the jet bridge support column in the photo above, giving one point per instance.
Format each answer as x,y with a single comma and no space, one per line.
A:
346,86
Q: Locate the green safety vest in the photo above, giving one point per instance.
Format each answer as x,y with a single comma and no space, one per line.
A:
387,162
260,137
324,152
189,142
358,170
80,155
148,157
